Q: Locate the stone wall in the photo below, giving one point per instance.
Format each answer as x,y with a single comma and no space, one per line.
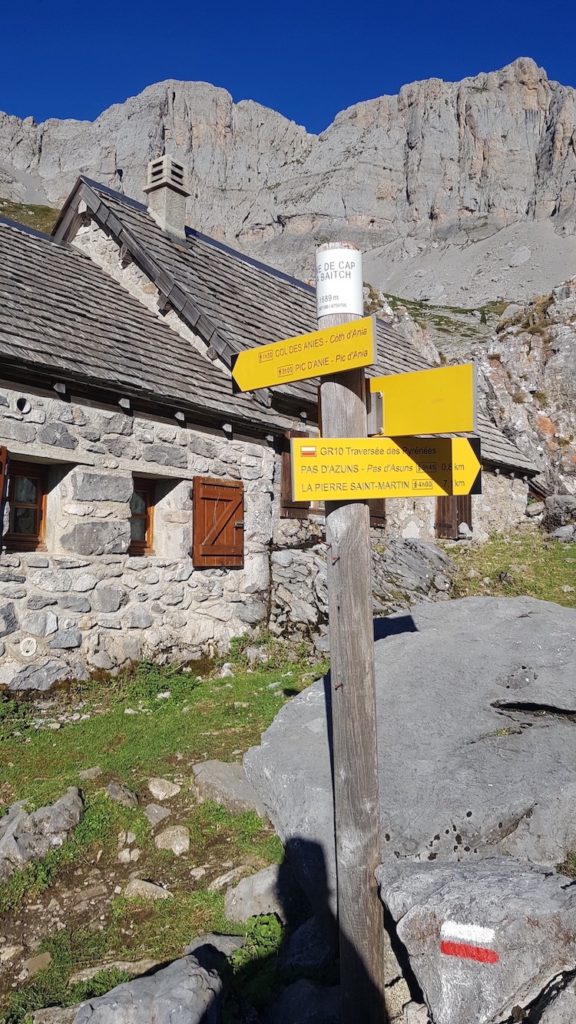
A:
85,603
501,507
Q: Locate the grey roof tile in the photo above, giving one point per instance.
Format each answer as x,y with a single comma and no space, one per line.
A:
60,313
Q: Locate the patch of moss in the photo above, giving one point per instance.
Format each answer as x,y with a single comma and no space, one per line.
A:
42,218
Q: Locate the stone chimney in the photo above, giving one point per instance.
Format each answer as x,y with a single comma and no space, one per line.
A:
167,192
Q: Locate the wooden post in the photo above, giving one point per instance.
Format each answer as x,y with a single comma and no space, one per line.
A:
356,791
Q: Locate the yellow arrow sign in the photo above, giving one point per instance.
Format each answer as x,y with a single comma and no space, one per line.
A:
317,354
344,469
439,401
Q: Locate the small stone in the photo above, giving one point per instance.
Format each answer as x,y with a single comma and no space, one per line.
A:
197,873
164,695
137,617
226,671
124,856
39,623
175,838
89,774
441,582
121,794
226,944
163,789
226,879
138,887
8,953
35,964
257,894
107,599
66,639
567,589
156,814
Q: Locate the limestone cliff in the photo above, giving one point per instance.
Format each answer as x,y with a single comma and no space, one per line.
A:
459,192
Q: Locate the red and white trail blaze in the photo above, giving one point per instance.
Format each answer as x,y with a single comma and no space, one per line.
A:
468,941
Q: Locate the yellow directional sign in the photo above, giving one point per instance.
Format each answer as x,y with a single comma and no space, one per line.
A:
344,469
439,401
329,350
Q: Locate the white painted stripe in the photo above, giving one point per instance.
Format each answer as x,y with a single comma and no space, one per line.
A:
458,932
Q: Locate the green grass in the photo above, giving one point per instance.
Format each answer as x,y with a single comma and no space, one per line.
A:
202,718
532,565
43,218
218,718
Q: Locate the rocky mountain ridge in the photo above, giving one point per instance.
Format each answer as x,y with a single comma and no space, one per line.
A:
458,192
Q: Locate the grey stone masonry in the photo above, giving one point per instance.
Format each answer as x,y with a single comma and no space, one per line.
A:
84,603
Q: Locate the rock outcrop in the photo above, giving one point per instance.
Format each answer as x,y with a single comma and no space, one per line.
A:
430,182
184,992
25,836
485,939
476,736
528,379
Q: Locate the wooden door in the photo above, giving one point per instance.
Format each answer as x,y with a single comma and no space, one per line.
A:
450,512
446,518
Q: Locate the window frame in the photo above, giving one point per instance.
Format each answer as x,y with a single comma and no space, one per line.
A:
26,541
146,486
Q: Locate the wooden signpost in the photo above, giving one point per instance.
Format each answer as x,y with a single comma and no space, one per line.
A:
345,468
352,685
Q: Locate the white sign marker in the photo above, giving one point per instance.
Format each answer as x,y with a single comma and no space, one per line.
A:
339,282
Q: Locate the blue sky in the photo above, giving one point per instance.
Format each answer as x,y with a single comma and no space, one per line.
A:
307,60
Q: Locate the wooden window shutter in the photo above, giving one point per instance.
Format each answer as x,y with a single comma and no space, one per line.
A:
290,509
218,524
377,508
447,518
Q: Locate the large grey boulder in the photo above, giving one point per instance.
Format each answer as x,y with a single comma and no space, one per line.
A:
477,740
182,993
30,836
483,937
559,510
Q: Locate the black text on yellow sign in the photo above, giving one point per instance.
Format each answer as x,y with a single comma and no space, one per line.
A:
330,350
344,469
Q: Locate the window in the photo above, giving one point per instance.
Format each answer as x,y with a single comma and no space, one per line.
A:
218,523
142,517
26,495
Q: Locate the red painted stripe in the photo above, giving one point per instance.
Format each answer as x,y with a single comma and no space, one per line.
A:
462,949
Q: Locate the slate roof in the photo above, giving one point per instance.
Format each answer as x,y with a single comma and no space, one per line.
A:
233,301
61,315
498,450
